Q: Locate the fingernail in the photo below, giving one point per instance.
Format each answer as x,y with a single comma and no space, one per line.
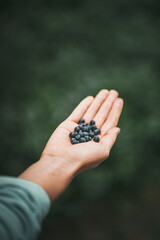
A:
118,130
119,101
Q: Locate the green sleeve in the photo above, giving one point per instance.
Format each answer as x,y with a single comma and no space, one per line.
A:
23,206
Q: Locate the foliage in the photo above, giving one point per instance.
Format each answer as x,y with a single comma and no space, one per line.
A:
55,53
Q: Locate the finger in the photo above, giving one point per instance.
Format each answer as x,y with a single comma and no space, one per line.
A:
103,112
80,110
96,104
108,140
113,116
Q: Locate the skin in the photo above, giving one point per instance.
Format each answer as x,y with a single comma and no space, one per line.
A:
61,161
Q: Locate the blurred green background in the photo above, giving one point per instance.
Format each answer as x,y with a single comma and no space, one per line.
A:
55,53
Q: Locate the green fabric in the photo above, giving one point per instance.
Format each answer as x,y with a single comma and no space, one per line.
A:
23,206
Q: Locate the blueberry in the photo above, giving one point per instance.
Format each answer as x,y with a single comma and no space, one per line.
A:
87,124
72,134
82,139
82,120
85,129
77,137
97,131
91,134
85,134
81,133
88,138
94,127
81,126
96,139
73,139
92,122
77,129
90,127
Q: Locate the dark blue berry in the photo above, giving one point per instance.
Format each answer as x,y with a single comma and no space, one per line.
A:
73,139
91,134
90,127
82,120
94,127
77,129
81,133
82,139
97,131
85,128
92,122
77,137
81,126
82,129
85,134
88,138
96,139
72,134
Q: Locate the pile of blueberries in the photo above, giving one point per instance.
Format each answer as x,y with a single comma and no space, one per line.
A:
85,132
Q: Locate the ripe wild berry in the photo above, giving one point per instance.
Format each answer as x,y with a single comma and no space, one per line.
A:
75,142
87,138
82,120
92,122
94,127
77,137
72,140
77,129
97,131
80,133
81,126
72,134
85,128
91,134
96,139
82,139
85,134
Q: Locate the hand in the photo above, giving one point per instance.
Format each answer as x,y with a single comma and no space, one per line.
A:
105,109
62,160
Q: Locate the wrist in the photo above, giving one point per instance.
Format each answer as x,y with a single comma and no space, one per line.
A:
51,173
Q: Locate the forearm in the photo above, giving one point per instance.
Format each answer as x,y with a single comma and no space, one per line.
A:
52,174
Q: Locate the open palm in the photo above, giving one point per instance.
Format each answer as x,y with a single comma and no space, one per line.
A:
105,109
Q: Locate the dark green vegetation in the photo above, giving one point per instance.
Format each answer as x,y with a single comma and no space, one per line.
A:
84,132
55,53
